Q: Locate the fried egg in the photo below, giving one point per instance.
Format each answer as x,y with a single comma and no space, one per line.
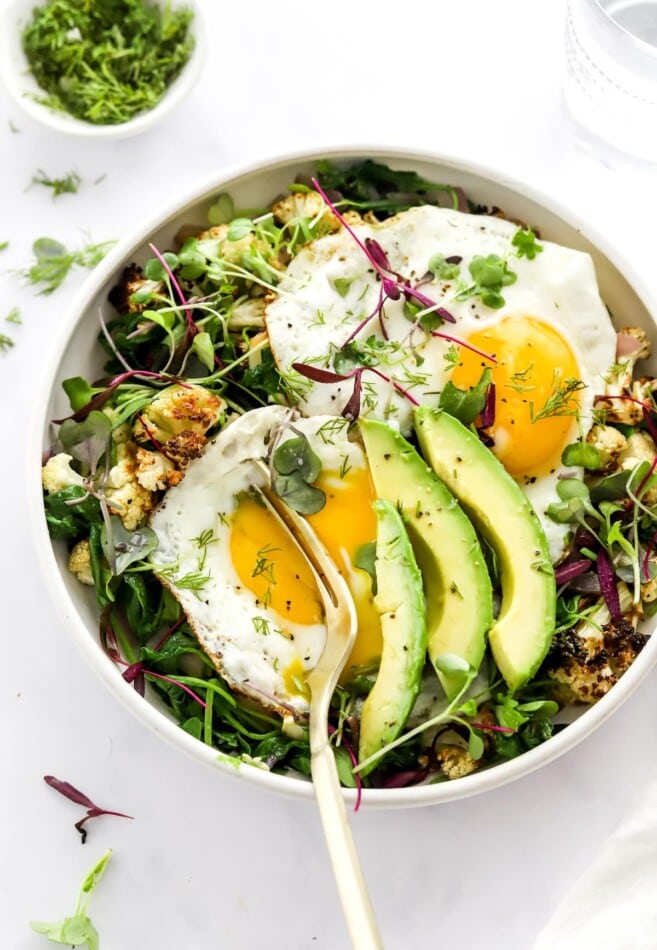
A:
551,328
248,592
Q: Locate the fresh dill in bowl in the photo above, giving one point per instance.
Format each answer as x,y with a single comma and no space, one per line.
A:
106,61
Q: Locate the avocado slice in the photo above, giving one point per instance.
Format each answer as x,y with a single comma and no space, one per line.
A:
499,509
458,589
400,602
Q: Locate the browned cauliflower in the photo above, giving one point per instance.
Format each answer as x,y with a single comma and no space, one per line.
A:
176,410
132,280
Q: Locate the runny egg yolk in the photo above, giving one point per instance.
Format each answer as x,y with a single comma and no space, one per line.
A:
345,523
534,364
269,564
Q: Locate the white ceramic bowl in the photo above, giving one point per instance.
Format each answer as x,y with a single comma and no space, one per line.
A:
22,87
76,353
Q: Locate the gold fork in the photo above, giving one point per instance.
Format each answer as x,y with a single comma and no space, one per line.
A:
340,617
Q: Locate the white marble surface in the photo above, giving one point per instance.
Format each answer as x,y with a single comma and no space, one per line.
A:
210,862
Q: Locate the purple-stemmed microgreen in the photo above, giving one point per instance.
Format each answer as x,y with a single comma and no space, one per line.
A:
351,410
192,329
75,795
393,287
136,672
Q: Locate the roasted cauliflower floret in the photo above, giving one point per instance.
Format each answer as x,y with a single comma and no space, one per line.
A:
234,250
248,314
581,680
622,644
79,563
132,280
610,443
57,473
632,345
640,448
305,205
176,410
455,762
125,496
154,471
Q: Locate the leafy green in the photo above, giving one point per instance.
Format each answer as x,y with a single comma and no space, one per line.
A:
105,62
77,930
370,185
466,404
69,512
6,342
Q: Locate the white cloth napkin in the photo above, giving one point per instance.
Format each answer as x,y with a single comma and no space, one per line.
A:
613,905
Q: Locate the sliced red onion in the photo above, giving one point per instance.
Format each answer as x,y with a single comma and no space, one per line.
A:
608,586
566,572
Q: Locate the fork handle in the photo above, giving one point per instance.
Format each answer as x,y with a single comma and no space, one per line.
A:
356,905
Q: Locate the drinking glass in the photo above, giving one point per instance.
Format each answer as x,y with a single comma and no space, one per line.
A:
610,81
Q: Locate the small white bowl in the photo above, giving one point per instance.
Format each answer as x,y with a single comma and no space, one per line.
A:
22,87
76,352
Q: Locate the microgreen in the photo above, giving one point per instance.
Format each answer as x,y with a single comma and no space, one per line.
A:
105,62
69,184
582,454
87,441
489,274
4,245
222,210
524,240
73,794
466,404
77,930
6,343
122,547
445,268
53,262
451,356
296,466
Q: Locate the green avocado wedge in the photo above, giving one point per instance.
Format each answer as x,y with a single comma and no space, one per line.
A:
497,506
400,603
459,599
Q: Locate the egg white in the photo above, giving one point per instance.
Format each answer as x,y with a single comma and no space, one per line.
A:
222,611
310,318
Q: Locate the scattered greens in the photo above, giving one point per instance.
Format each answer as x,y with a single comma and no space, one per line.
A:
77,930
6,343
59,186
105,62
74,795
4,245
14,316
53,262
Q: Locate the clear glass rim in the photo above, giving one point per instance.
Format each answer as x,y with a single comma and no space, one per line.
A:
628,37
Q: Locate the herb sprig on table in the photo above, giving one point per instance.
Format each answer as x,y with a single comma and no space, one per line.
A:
107,61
